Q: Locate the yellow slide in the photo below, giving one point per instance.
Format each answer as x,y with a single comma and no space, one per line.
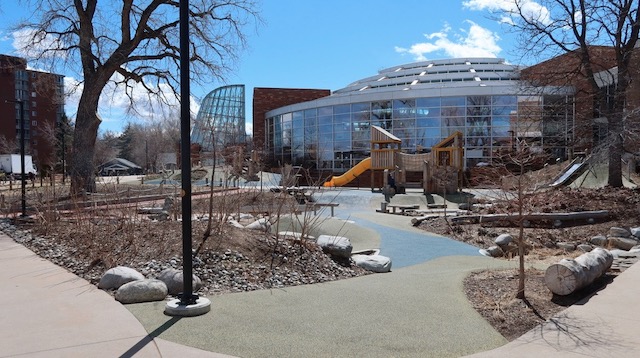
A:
350,174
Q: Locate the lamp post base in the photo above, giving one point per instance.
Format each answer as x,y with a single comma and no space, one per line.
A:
175,307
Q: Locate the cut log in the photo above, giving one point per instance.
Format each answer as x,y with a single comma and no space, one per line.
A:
416,221
569,275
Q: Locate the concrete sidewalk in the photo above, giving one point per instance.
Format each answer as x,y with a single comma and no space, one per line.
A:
605,325
49,312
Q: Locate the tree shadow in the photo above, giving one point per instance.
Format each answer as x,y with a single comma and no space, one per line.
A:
583,295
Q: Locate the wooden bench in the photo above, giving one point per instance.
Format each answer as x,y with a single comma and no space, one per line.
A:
403,208
315,206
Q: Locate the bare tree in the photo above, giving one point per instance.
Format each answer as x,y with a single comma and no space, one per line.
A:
132,44
574,28
7,145
106,148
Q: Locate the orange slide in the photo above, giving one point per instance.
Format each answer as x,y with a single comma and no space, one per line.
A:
350,174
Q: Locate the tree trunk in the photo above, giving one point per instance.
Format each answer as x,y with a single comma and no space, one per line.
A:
615,151
569,275
82,168
521,270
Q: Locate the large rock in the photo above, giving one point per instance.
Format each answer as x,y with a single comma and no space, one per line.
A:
599,240
585,247
142,291
262,224
174,281
495,251
623,243
503,239
338,246
117,276
566,246
234,223
374,263
619,232
635,232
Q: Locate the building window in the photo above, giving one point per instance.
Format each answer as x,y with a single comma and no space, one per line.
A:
34,113
33,94
33,103
34,123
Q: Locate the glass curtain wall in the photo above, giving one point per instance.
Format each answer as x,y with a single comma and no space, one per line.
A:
338,137
220,120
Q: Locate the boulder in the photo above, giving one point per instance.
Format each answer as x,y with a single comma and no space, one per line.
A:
262,224
142,291
585,247
623,243
618,253
619,232
235,223
635,232
338,246
495,251
173,279
117,276
245,216
599,240
503,239
566,246
374,263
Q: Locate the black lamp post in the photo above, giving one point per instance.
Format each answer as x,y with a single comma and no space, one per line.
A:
188,303
23,177
187,297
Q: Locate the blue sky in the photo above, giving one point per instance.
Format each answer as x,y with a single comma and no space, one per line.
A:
330,43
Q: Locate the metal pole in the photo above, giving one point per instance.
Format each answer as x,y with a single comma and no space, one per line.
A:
187,297
22,172
23,180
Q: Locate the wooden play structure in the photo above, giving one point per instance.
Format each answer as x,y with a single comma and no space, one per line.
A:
441,168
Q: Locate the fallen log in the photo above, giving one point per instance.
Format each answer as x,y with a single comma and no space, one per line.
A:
533,217
417,220
570,275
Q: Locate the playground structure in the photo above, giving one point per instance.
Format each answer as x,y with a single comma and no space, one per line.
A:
441,168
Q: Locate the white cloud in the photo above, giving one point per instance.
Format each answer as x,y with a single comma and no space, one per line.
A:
474,42
530,9
115,105
31,44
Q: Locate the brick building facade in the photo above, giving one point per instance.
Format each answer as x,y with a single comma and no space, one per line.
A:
266,99
567,70
42,95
